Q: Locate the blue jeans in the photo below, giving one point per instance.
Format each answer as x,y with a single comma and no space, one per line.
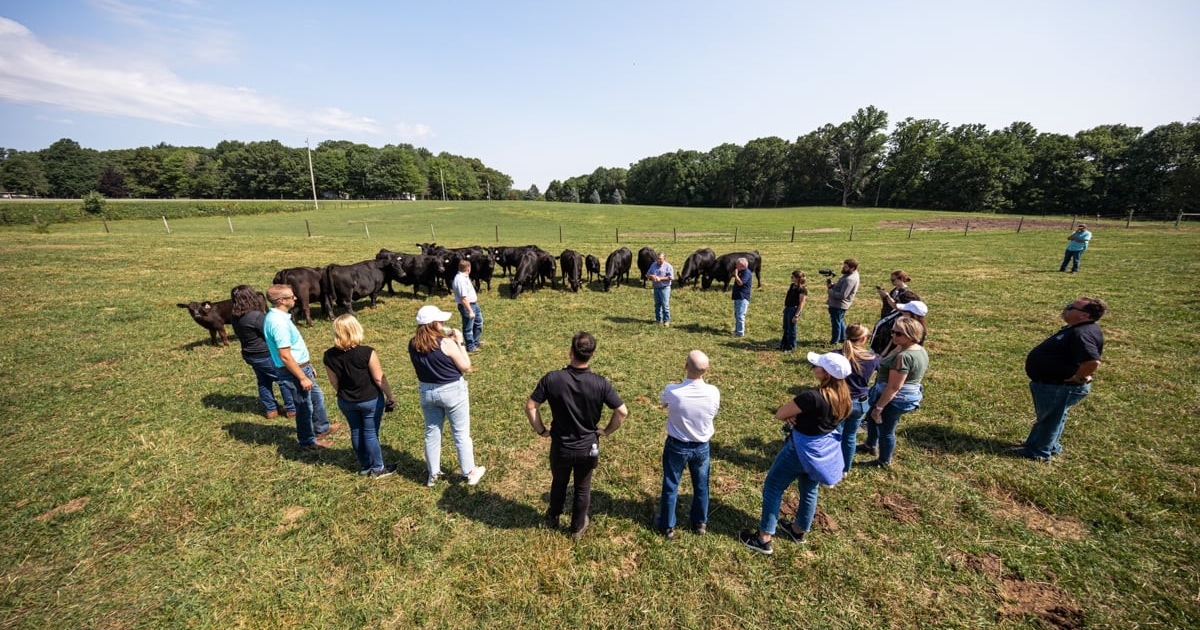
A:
472,328
788,342
438,402
267,375
1051,404
739,316
564,464
883,434
849,427
662,304
1073,258
311,417
364,417
837,325
786,469
676,455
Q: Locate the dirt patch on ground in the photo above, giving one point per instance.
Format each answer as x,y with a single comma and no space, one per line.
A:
988,564
289,517
1054,606
902,508
976,223
74,505
1057,527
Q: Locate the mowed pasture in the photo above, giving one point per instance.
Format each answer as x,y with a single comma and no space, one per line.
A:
144,490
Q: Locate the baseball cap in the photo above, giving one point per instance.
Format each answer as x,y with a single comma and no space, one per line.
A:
916,307
430,313
833,363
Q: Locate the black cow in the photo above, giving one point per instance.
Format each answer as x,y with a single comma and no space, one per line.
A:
483,265
307,285
646,259
508,257
698,264
547,268
571,264
722,269
526,275
617,267
422,270
396,272
345,283
593,266
213,317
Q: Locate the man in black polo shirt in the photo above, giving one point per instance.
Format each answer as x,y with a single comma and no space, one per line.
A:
1060,373
577,397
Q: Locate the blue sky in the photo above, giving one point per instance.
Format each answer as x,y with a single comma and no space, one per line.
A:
545,90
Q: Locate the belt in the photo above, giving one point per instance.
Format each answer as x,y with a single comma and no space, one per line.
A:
305,364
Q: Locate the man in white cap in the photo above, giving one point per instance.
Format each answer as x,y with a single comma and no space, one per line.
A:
1077,243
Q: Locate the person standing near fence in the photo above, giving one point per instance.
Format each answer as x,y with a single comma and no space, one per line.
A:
468,306
1077,243
840,297
661,273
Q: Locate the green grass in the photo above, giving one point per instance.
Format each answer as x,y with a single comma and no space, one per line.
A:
144,490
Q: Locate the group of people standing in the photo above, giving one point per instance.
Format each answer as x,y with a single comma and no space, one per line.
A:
820,423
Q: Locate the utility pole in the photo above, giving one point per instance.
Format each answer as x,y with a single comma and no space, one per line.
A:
443,180
311,178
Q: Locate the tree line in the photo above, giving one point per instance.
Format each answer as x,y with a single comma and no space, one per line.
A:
253,170
1110,170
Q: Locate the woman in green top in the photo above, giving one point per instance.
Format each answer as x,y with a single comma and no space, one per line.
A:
897,389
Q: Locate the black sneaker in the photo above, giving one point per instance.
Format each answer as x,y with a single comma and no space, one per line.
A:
386,471
750,539
667,532
785,529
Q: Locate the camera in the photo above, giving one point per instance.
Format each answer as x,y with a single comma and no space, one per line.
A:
828,273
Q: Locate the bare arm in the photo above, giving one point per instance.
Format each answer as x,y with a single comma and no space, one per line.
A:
289,364
380,379
534,415
618,416
454,349
1084,373
896,380
788,412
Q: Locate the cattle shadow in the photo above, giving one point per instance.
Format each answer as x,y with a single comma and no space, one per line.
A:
629,320
947,439
202,343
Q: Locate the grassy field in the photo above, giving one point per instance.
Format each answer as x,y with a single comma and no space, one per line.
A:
143,489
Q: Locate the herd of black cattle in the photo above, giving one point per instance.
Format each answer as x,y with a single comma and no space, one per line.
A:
528,267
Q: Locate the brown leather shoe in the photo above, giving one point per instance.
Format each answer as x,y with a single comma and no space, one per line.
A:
271,415
333,428
319,445
291,414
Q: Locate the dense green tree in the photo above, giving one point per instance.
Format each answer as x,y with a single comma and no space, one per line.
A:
24,174
1105,148
720,168
554,190
855,149
112,184
810,172
911,151
760,166
1057,180
70,169
533,194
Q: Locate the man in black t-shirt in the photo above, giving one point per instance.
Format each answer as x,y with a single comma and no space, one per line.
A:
577,397
1060,375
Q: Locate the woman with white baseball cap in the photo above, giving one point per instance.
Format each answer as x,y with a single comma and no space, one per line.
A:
440,360
811,454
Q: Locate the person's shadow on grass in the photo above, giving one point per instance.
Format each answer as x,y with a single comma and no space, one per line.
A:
237,403
947,439
282,436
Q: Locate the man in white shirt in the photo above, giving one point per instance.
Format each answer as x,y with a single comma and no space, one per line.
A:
468,305
691,407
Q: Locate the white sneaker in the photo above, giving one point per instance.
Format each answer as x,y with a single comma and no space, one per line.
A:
432,480
475,475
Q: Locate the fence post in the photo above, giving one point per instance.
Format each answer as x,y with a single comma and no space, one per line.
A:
1177,219
910,229
1019,224
1129,219
618,232
366,228
165,225
674,235
966,227
497,232
560,235
105,220
1073,221
852,233
229,220
793,234
308,228
432,232
735,234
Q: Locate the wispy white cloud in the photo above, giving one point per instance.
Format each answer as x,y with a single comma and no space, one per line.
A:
33,73
61,121
414,132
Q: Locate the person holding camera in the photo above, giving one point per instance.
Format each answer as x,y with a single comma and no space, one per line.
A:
840,297
439,357
898,294
363,393
1077,243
